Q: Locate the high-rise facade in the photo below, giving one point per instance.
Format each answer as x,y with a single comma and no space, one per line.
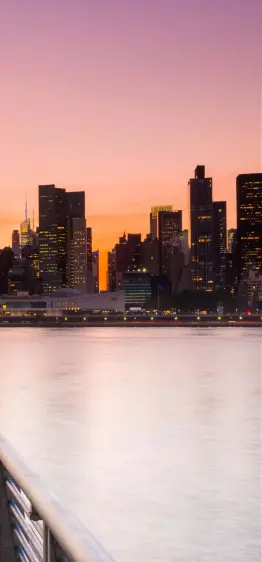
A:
169,226
154,218
76,241
249,224
111,271
150,255
62,239
95,270
201,230
25,233
52,238
77,266
89,260
232,240
219,242
16,244
137,287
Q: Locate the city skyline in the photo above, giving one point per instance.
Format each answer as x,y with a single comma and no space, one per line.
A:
103,260
121,102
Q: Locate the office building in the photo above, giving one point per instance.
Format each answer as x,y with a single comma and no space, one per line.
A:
52,238
89,247
16,244
76,241
154,218
127,256
62,239
180,275
169,225
254,288
219,242
249,224
111,271
95,271
6,262
150,255
25,233
137,287
232,240
89,260
77,259
201,230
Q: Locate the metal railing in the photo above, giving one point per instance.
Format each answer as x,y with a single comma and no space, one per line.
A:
34,526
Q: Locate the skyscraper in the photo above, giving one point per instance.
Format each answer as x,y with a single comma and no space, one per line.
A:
89,260
111,271
249,224
25,233
154,218
232,240
95,270
16,244
150,255
77,266
76,241
52,238
201,230
169,225
219,242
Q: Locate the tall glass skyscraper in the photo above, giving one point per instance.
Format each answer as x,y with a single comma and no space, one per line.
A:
219,242
62,239
249,224
52,238
201,230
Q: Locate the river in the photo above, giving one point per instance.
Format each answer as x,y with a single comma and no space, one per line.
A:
152,436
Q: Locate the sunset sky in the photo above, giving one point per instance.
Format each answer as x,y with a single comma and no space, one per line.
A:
123,98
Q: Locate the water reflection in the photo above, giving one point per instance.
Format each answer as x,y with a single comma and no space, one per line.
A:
151,435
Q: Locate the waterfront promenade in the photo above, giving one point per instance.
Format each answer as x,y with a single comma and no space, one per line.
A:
81,320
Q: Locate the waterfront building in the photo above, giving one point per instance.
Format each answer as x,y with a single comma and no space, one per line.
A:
249,224
64,299
6,262
201,230
137,288
254,286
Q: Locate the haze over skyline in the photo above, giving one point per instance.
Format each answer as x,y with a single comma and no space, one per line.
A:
123,99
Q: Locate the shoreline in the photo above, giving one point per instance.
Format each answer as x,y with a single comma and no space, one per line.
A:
134,324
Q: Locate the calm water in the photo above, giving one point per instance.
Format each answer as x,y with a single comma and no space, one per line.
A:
152,435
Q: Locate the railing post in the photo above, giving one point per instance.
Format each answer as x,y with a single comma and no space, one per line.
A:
7,545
